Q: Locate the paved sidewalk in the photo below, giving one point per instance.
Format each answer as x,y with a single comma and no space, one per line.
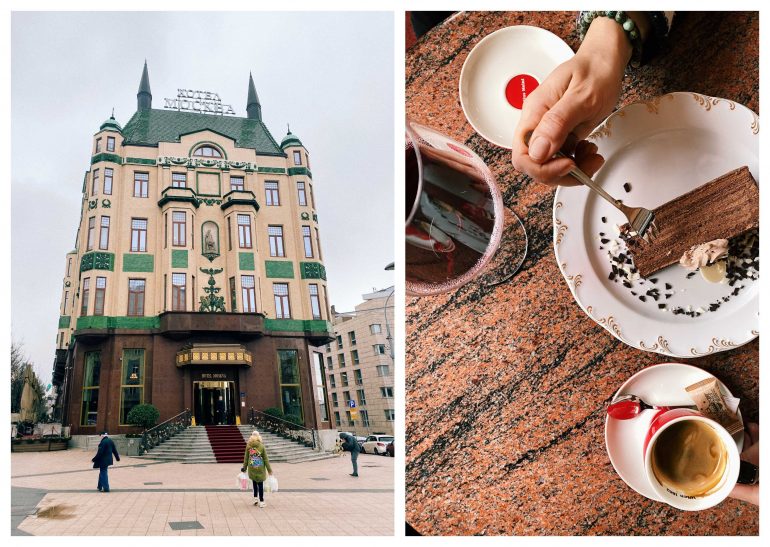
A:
167,498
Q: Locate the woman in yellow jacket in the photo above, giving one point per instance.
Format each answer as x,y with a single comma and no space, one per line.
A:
256,462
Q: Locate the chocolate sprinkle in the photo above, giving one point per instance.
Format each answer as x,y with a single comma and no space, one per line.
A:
627,187
604,219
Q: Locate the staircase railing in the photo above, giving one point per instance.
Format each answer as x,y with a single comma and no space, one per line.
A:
284,428
164,431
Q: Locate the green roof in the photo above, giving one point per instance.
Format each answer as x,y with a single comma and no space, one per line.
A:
290,140
110,124
149,127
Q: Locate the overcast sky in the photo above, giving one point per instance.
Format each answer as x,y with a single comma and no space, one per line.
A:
330,75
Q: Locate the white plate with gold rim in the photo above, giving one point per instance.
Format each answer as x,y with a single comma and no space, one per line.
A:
657,385
662,148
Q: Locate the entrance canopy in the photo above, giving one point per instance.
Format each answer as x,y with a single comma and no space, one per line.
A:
213,354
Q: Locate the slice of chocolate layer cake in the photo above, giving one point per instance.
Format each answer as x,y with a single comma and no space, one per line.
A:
720,209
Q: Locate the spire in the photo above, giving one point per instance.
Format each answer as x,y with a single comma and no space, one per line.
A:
144,96
253,108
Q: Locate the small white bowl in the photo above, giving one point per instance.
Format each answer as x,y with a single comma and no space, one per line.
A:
500,71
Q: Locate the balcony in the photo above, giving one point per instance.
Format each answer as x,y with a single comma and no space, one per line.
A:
178,195
180,325
239,197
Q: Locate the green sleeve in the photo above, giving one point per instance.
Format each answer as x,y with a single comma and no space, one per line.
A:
246,458
267,462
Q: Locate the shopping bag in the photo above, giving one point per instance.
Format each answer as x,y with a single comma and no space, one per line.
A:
272,484
242,481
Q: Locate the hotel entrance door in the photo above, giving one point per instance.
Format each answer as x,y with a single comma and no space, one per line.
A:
214,403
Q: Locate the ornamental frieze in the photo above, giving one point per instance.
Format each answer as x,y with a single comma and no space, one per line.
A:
169,161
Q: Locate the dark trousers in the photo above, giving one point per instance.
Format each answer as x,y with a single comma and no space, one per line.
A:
103,483
259,487
354,459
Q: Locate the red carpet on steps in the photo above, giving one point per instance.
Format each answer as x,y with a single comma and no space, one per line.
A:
227,443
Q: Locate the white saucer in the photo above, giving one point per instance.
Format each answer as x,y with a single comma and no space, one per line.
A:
656,385
515,56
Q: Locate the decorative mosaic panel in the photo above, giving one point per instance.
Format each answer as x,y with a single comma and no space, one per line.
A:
138,263
97,261
279,269
178,258
64,322
312,270
246,261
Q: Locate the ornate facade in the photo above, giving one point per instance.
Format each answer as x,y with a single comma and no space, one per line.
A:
197,280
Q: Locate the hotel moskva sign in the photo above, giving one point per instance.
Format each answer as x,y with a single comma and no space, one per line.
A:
202,102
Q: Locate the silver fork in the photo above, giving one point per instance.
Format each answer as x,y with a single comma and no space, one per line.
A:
642,220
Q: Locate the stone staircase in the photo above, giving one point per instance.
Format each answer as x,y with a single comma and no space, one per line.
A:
192,446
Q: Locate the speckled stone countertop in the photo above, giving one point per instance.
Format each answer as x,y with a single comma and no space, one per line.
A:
507,386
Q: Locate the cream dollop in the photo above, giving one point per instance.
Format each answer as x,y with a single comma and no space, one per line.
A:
701,255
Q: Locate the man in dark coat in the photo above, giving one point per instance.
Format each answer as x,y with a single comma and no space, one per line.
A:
350,444
103,459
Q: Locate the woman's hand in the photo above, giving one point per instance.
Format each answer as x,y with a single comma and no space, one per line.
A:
749,492
570,103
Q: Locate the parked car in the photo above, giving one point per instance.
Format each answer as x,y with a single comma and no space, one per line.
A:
391,451
377,444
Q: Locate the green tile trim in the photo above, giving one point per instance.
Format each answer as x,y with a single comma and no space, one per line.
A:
312,270
298,325
104,322
272,170
138,263
140,161
283,269
64,322
114,158
181,199
97,261
246,261
300,171
178,258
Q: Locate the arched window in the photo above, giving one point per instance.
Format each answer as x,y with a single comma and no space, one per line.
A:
207,151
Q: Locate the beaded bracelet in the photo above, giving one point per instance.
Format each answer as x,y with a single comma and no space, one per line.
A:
627,24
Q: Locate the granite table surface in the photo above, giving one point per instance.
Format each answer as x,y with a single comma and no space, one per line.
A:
507,385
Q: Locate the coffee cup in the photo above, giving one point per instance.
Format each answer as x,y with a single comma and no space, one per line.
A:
691,461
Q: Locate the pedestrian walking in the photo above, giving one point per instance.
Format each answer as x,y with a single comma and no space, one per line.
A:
103,460
258,466
350,444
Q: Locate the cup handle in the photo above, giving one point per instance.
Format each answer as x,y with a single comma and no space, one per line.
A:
748,473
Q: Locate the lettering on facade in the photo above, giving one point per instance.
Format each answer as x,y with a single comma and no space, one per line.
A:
213,376
193,100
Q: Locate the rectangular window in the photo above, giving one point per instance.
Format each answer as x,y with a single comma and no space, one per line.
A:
271,193
358,378
281,295
307,160
361,397
91,231
323,405
301,195
341,360
229,234
349,418
233,300
346,396
108,181
131,382
344,381
364,414
178,228
339,341
387,392
101,286
308,241
136,297
244,231
312,198
291,396
275,238
315,305
318,244
332,380
335,400
98,147
141,184
94,182
379,349
139,235
297,158
104,234
390,414
329,363
69,266
352,337
178,291
383,370
247,294
110,144
354,357
84,294
90,404
375,329
337,420
179,180
236,184
66,297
